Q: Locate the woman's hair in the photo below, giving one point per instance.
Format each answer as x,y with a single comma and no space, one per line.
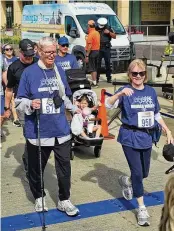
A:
140,64
85,97
4,46
167,218
46,41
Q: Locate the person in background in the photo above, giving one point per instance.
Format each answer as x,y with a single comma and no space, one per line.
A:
9,58
9,54
36,54
3,79
140,114
44,87
167,218
64,59
106,34
14,73
92,51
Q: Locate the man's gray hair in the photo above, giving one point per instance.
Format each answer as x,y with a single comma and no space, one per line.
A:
46,41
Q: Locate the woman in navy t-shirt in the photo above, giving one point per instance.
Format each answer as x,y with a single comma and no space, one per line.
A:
140,113
9,58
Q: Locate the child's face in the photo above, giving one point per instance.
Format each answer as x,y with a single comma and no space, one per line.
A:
83,104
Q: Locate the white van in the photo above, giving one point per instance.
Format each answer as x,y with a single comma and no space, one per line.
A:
71,20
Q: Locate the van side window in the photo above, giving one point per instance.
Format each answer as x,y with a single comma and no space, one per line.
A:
69,23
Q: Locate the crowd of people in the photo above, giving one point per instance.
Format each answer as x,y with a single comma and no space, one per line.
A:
35,82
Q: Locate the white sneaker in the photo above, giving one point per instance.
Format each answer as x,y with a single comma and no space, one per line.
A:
143,217
126,187
38,205
67,207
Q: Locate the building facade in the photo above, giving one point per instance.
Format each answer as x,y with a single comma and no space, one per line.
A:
129,12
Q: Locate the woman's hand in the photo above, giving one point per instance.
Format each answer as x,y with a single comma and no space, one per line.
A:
169,137
127,91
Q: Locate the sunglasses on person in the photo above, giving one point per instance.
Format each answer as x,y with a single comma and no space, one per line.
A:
141,73
65,45
8,49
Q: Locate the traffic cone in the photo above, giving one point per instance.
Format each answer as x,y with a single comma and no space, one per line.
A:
102,114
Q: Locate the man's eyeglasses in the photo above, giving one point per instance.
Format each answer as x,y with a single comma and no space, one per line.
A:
8,49
65,45
48,53
141,73
27,56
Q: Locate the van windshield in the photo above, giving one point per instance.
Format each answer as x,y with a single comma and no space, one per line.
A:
113,22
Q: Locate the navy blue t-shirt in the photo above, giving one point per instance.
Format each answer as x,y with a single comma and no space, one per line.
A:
140,101
42,84
67,62
10,61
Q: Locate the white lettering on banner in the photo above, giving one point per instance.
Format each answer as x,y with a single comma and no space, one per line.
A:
145,119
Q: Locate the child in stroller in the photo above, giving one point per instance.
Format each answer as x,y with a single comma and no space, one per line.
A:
86,128
84,102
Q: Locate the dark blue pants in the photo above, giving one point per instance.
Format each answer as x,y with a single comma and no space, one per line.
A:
139,164
106,54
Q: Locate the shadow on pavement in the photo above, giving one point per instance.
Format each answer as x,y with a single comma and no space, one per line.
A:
50,179
106,178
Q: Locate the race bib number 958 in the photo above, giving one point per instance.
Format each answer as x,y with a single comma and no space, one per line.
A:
145,119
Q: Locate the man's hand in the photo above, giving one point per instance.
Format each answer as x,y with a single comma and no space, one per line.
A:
36,104
7,114
106,31
86,59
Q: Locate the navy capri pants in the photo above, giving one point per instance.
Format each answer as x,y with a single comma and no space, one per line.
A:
139,164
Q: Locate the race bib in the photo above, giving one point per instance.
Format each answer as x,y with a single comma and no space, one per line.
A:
145,119
48,106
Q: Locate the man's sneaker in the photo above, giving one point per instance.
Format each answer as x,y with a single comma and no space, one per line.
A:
143,217
94,85
17,123
67,207
126,187
38,205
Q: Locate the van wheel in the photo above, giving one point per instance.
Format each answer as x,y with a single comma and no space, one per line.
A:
81,60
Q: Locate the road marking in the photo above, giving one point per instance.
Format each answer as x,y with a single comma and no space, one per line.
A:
53,216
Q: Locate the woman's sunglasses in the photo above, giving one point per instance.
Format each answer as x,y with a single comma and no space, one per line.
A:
8,49
141,73
65,45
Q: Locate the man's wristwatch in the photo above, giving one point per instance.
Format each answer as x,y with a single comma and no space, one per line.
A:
6,108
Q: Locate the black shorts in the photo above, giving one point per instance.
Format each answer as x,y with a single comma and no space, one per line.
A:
93,61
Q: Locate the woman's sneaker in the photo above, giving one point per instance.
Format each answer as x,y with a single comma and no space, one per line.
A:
143,217
38,205
67,207
16,123
126,187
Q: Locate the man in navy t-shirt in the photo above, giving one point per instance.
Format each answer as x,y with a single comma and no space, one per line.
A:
44,87
65,60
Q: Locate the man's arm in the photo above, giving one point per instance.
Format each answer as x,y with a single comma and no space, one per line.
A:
110,32
11,82
4,77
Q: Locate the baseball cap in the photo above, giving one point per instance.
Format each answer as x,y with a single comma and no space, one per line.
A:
102,22
27,47
168,152
63,40
91,22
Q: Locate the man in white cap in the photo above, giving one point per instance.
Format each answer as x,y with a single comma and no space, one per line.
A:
106,34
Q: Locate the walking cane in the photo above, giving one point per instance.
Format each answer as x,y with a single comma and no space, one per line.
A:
40,166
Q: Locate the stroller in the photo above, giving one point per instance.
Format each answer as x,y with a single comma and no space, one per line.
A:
80,86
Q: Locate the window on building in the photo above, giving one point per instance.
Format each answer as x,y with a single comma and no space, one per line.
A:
49,2
26,3
9,14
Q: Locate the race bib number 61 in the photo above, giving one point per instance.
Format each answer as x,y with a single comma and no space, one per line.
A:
145,119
